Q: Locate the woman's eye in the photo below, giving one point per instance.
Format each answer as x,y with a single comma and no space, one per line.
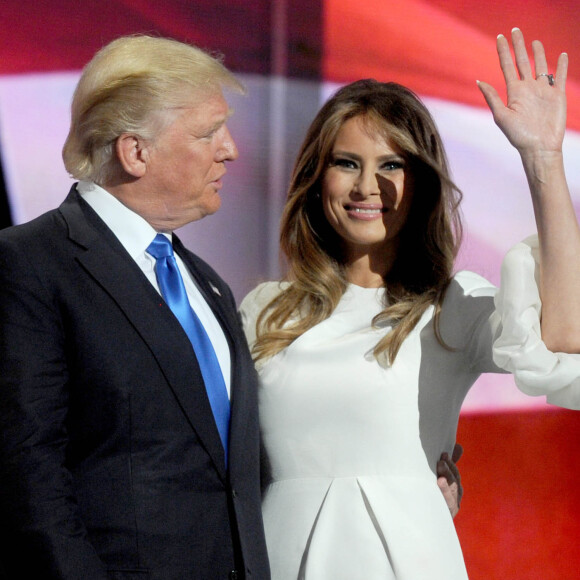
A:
392,165
345,163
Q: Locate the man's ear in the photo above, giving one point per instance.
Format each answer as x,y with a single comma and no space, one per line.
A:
132,153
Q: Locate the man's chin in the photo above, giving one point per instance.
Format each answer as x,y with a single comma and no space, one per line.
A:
195,215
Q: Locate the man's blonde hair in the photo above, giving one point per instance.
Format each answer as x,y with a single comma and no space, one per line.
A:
131,86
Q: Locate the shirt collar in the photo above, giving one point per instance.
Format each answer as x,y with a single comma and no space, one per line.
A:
134,232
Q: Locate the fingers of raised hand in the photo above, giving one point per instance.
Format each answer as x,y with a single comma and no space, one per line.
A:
542,72
524,68
541,64
534,116
521,55
562,71
539,58
505,59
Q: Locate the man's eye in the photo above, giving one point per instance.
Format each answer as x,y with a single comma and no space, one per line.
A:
211,133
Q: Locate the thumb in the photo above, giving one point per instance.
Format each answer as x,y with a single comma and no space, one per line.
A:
491,96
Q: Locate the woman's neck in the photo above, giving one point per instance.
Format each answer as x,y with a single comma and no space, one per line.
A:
363,273
367,268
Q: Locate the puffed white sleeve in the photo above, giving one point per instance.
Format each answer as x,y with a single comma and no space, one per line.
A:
519,348
254,302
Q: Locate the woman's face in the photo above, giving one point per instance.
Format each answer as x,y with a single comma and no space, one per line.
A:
366,190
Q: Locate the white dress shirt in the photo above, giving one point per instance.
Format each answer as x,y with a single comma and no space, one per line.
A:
135,234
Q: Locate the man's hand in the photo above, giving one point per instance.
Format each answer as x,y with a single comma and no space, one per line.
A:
449,479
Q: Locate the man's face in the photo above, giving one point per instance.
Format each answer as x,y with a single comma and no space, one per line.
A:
185,165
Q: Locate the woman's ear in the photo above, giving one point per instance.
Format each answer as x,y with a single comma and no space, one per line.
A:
132,154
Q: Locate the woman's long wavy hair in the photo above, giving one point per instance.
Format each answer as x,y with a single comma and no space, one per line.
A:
428,242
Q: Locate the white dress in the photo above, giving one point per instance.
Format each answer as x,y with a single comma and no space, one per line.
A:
351,445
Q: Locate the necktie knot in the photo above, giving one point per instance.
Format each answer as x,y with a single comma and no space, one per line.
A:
160,247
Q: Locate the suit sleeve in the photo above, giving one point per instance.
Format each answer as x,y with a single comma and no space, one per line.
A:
41,533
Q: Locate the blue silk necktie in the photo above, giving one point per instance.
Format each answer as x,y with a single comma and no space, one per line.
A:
173,291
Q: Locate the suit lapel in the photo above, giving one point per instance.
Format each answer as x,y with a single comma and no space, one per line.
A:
243,372
210,290
105,259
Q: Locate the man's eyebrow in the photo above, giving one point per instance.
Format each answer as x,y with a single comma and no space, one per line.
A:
221,121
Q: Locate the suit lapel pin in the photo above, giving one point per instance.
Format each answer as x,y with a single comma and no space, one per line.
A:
216,290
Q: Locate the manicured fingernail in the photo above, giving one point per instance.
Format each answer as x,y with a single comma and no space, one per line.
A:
514,29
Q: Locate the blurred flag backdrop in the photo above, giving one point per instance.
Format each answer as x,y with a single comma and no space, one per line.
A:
520,518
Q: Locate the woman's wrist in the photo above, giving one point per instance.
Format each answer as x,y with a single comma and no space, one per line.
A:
542,166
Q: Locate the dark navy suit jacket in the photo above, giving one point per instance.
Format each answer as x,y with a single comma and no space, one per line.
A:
111,466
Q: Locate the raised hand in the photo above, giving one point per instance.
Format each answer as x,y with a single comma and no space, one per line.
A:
534,119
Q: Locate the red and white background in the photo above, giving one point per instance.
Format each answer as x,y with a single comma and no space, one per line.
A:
520,518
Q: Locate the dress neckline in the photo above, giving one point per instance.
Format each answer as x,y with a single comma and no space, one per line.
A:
369,289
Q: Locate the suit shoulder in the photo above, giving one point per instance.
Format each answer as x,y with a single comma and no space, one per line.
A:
34,229
32,244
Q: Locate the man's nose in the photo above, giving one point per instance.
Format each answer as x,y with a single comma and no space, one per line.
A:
228,150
